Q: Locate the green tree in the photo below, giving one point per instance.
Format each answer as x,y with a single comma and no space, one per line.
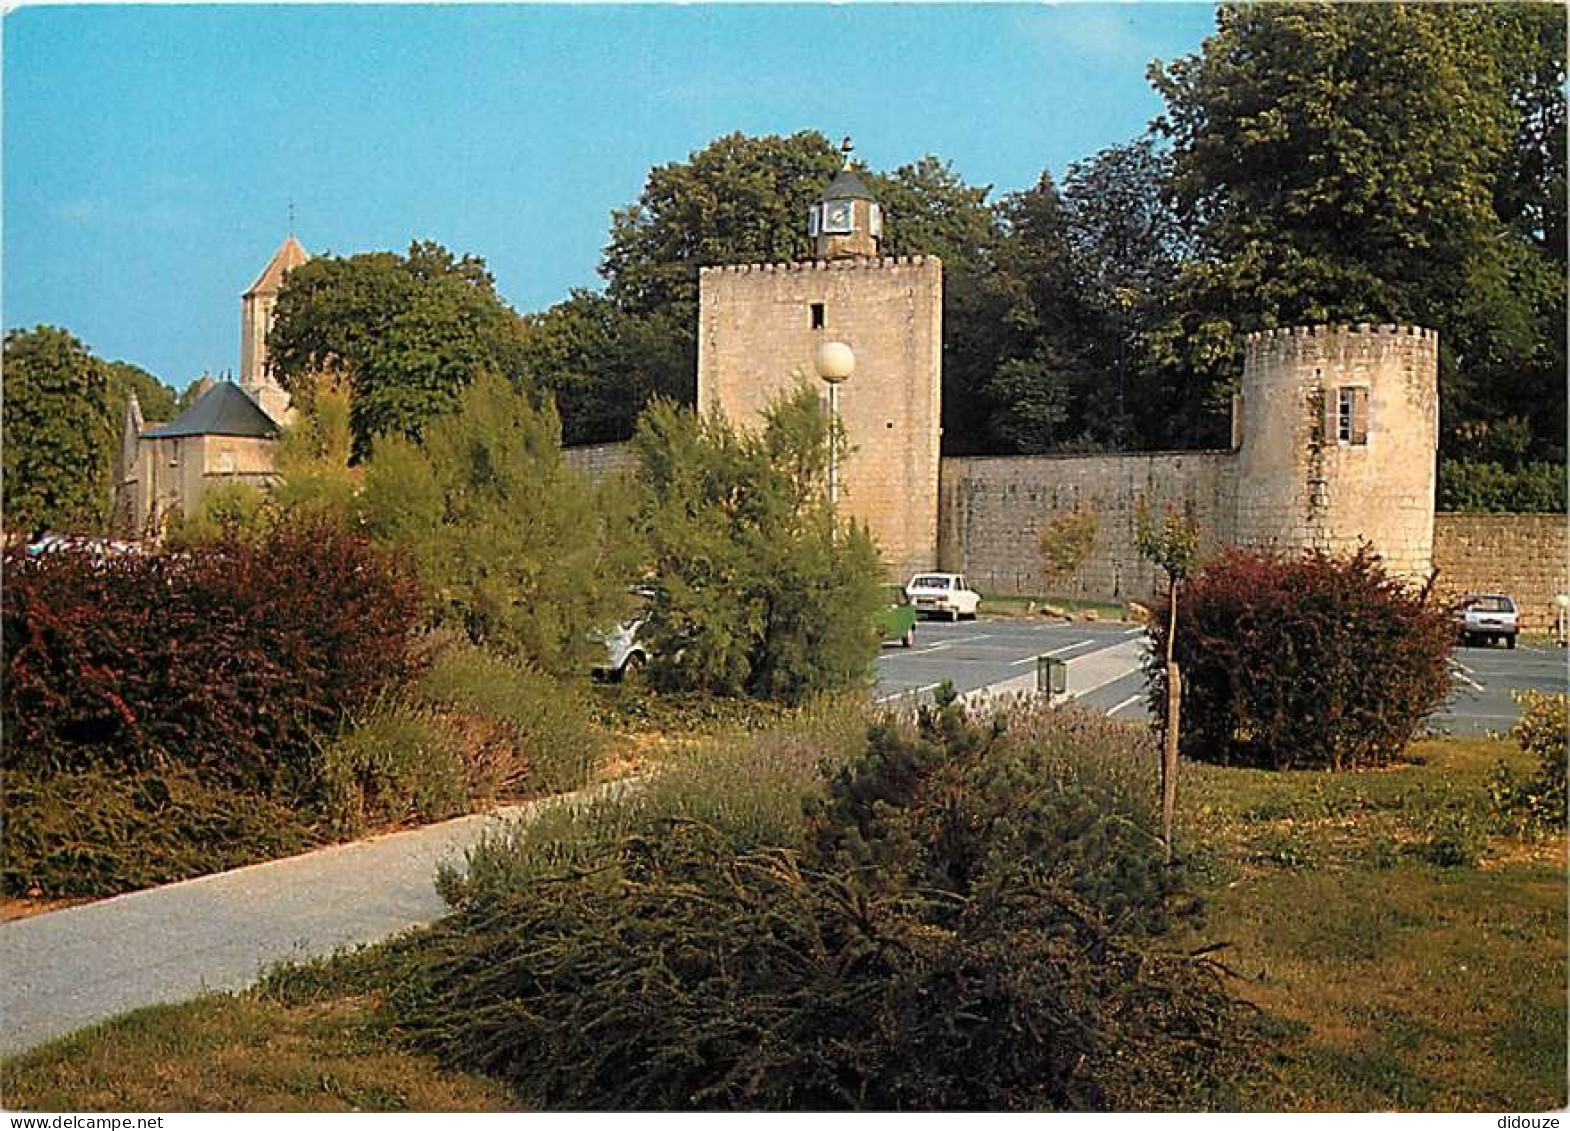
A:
55,450
1128,243
1343,163
407,332
123,379
758,588
518,550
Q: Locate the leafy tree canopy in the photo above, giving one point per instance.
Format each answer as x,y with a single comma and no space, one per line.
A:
407,332
758,588
1379,163
519,551
55,444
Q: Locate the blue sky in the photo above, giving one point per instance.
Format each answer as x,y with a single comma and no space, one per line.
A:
151,153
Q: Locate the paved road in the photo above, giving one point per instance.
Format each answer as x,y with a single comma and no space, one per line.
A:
1104,672
976,653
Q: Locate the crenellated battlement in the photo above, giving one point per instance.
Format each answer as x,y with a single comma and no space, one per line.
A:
1273,349
1325,330
808,265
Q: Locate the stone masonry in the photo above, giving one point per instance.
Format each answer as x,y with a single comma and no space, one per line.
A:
758,328
993,508
1340,430
1524,555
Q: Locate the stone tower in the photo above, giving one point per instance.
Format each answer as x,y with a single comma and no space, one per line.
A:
256,318
759,326
1340,433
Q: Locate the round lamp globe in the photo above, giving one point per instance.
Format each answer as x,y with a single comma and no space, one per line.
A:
834,362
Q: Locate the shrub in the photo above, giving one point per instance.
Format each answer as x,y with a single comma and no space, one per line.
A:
749,787
100,832
1065,542
968,927
550,721
1536,804
1310,662
517,550
1480,485
230,658
394,766
758,588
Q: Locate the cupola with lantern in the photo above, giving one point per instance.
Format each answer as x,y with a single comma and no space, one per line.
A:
845,222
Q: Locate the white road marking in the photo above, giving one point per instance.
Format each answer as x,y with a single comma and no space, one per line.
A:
1466,679
1054,652
1129,702
907,691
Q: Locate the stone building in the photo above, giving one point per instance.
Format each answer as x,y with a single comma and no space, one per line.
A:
1334,439
223,437
226,435
1335,443
256,318
759,326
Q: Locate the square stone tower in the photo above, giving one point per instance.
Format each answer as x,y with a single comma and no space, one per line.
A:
759,326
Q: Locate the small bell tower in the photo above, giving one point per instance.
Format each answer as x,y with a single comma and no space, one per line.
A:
846,222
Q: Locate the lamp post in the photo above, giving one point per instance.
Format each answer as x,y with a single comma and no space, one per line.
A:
834,362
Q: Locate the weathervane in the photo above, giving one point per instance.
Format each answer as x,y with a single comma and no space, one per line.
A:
845,148
291,217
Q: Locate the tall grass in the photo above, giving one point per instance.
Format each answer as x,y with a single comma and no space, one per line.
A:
551,721
749,785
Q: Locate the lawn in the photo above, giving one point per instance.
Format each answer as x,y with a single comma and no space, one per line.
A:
1403,957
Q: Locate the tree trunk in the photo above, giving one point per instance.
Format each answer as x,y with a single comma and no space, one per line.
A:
1169,758
1169,751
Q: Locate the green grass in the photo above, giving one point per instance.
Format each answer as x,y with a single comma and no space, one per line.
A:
1032,607
1388,979
240,1053
1408,958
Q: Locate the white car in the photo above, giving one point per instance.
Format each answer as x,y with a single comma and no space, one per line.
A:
944,594
1487,617
624,651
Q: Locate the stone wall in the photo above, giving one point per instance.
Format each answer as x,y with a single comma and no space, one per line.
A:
600,461
758,328
993,509
1524,555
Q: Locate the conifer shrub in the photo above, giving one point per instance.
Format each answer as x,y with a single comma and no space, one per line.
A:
968,921
758,587
100,832
231,658
1310,662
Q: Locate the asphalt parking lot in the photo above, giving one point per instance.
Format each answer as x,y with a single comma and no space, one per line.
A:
1105,675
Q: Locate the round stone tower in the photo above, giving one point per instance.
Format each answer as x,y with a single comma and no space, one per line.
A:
1340,433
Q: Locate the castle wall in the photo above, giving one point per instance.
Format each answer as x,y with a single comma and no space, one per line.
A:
993,510
756,339
1305,484
1524,555
600,461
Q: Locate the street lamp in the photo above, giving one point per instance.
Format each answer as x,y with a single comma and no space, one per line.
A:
835,362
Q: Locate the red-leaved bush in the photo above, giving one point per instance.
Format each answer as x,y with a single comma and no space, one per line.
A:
230,658
1306,662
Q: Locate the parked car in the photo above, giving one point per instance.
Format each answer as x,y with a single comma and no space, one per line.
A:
625,649
897,618
1486,617
944,594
